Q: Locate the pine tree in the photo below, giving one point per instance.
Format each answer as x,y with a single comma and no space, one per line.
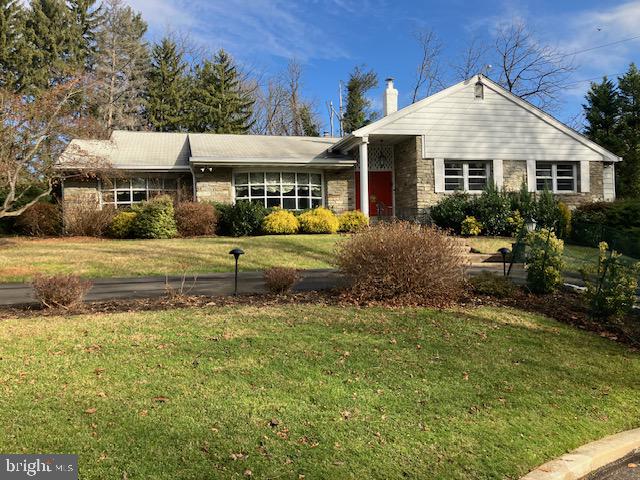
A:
310,126
628,171
86,18
602,112
166,88
358,114
13,49
122,62
220,103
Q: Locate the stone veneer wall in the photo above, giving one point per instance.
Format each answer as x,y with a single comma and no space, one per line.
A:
80,193
597,188
215,186
514,172
340,190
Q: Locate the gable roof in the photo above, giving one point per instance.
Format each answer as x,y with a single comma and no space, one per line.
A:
372,128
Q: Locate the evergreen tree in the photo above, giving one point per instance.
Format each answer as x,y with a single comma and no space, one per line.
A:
13,49
166,88
310,126
86,18
629,169
51,45
602,112
122,62
220,103
358,112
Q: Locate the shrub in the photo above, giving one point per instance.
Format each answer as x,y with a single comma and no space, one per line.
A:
87,219
547,211
487,283
40,220
280,279
353,221
60,290
195,219
122,224
155,219
403,262
280,222
564,226
493,209
243,218
613,293
524,202
470,226
451,211
544,261
319,220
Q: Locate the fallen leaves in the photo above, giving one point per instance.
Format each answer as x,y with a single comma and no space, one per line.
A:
160,399
91,411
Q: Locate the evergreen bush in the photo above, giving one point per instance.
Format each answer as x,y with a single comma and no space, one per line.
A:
319,220
352,221
544,261
241,219
280,222
122,224
155,219
450,212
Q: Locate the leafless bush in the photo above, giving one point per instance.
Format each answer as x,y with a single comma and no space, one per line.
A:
280,279
87,220
60,290
403,263
196,219
40,220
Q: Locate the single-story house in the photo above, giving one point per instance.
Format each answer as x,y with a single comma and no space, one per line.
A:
459,139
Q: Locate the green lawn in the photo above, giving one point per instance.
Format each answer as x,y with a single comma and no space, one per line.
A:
21,258
324,392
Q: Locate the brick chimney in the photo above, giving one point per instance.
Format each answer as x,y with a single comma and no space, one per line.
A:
390,98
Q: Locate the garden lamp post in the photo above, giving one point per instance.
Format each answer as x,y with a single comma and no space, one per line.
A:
504,251
236,252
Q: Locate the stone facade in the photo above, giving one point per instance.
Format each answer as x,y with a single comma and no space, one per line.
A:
215,186
596,193
514,173
81,192
340,190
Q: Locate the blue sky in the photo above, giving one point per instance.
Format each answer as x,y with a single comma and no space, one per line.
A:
329,37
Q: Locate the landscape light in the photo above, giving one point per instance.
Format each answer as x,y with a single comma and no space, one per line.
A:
236,252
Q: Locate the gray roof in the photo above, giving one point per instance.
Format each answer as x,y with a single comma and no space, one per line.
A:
155,150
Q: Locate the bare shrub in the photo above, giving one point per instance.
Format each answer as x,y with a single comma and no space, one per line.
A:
40,220
87,220
60,290
403,263
195,219
280,279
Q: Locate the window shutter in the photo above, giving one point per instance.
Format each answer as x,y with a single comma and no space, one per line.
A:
531,175
585,177
438,174
498,174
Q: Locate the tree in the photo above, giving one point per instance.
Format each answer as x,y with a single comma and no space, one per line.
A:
428,71
121,67
602,113
86,19
166,88
358,110
221,102
472,61
309,122
629,130
34,129
537,73
13,48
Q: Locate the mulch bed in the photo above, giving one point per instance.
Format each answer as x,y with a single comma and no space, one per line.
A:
565,306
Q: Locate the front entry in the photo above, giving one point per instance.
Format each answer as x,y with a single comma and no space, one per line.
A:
380,193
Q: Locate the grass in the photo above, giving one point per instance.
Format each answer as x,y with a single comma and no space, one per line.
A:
21,258
324,392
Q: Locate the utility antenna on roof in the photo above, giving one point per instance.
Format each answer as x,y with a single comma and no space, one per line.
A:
341,116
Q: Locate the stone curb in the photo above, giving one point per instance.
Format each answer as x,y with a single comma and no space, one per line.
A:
588,458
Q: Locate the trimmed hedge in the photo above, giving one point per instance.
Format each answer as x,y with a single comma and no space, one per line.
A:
155,219
280,222
122,224
319,220
241,219
352,221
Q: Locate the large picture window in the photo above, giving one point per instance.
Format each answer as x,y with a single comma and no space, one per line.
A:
466,176
289,190
556,177
124,192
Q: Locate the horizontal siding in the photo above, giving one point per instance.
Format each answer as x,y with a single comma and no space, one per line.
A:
459,126
608,182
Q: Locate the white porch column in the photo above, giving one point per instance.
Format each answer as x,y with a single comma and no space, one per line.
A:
364,176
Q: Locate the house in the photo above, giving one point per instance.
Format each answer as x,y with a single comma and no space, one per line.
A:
459,139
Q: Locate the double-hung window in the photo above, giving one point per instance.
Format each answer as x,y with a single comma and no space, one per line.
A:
466,176
289,190
125,192
556,177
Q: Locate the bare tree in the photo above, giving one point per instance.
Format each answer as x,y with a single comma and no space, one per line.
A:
428,72
34,130
271,104
528,69
472,60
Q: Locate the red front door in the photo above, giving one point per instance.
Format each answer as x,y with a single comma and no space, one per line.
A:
380,193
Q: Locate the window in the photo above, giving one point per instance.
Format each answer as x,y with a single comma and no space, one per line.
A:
124,192
556,177
289,190
466,176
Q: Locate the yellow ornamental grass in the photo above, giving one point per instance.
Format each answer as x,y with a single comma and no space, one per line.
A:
319,220
280,222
